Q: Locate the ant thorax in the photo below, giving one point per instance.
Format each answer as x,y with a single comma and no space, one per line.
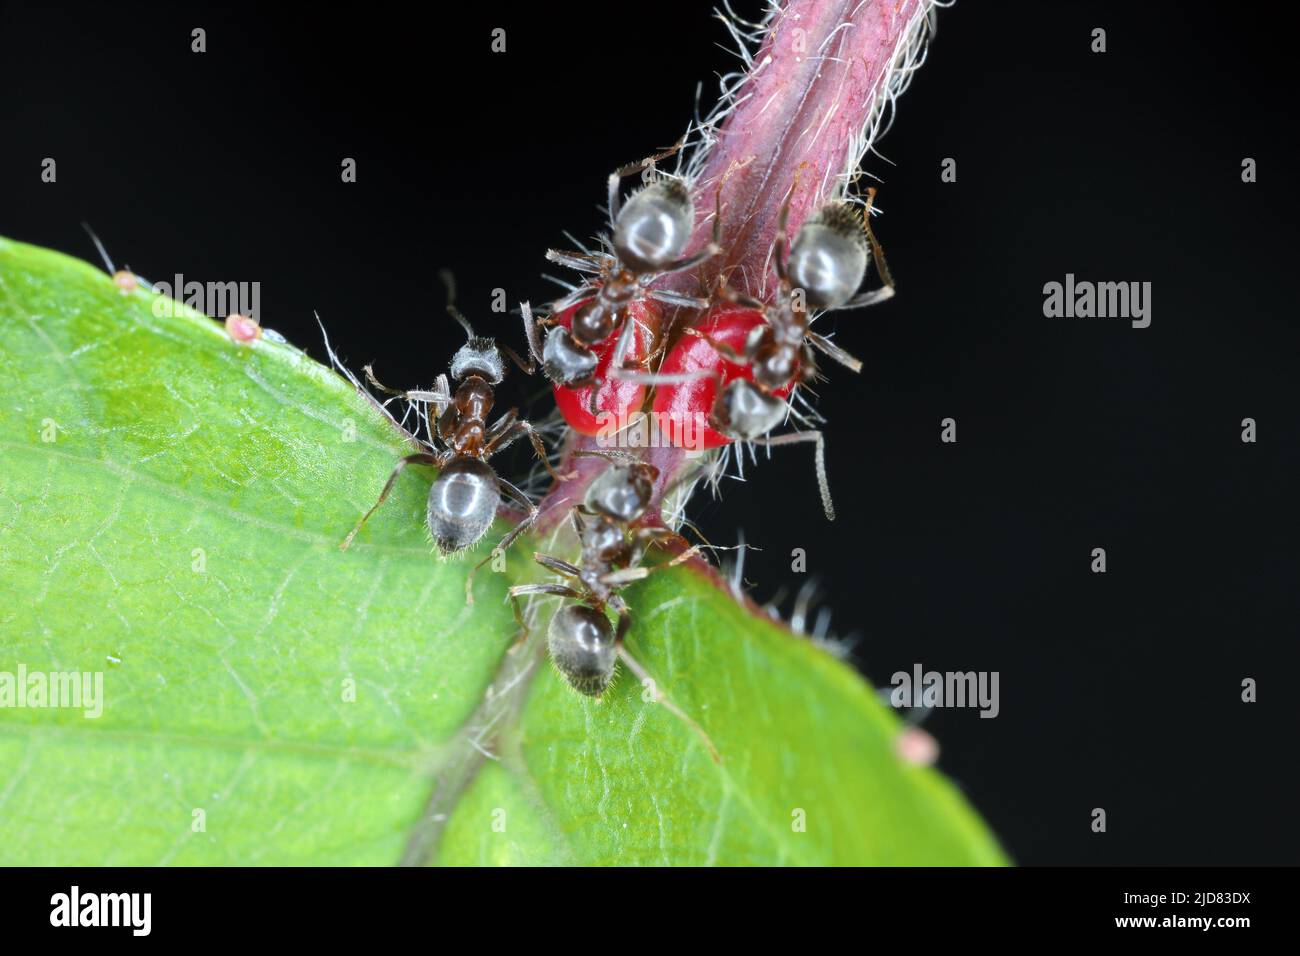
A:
774,352
788,315
605,548
474,398
463,426
597,319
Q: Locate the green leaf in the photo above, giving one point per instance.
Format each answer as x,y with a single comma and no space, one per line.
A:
171,505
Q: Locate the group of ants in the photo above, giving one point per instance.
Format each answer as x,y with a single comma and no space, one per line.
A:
760,350
606,334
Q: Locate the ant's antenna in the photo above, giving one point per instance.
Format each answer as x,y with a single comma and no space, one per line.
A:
449,281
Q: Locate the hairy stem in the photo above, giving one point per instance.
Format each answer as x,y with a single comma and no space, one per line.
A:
803,116
796,125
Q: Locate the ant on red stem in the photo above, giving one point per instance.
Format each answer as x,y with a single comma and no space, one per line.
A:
582,643
772,343
464,498
650,234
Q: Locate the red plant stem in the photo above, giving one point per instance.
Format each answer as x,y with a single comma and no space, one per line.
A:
796,129
817,78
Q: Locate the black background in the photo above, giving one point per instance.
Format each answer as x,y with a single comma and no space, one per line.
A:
1119,690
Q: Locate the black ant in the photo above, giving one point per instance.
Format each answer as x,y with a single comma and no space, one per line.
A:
649,236
583,645
464,498
826,264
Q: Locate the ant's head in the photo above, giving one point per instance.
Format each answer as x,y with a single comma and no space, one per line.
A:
479,357
654,226
603,539
566,360
828,259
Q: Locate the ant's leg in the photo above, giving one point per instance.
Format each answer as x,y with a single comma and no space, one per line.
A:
625,576
379,386
560,590
680,378
722,348
739,298
628,575
618,360
578,261
442,388
643,538
611,195
778,247
523,525
579,294
507,429
496,433
670,378
624,457
874,297
557,590
555,564
686,262
827,347
528,368
639,672
540,450
531,334
421,458
682,301
823,483
625,330
878,256
877,251
439,397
